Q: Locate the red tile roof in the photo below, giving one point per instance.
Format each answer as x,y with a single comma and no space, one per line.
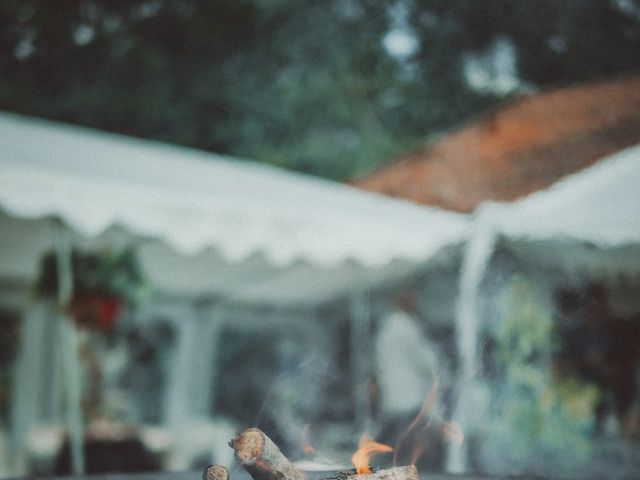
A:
520,148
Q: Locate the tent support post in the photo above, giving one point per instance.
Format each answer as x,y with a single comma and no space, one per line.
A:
475,261
360,340
70,360
192,382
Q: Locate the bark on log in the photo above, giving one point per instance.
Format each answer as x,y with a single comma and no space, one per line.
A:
215,472
408,472
262,458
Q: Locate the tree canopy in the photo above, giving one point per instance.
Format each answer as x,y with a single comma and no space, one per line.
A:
329,87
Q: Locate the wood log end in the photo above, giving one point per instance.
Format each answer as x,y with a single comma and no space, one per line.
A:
215,472
259,456
248,446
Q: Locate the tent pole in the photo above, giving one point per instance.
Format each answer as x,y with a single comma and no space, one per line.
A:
360,340
69,350
205,358
475,261
179,392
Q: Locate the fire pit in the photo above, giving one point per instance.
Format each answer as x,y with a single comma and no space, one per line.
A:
263,460
239,474
259,458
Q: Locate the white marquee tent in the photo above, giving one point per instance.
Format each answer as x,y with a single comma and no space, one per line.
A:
240,232
220,225
256,234
597,207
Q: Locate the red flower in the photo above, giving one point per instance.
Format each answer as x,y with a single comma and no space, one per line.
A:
107,309
95,311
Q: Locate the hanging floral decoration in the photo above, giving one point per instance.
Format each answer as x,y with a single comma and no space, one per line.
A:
103,282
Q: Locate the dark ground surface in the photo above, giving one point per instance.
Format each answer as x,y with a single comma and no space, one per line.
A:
613,460
238,474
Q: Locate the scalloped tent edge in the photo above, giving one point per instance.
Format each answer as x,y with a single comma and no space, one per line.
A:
198,203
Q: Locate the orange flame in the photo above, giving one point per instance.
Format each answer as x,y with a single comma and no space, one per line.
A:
366,448
453,432
411,435
414,440
307,448
427,405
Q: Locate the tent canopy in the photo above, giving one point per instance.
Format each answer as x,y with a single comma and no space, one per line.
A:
241,218
600,204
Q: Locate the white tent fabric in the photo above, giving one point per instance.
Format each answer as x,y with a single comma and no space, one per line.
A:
254,235
600,204
193,199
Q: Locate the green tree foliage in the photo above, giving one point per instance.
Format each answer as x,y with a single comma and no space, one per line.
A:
556,43
308,85
536,414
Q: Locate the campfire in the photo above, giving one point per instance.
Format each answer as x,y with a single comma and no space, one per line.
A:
366,448
263,460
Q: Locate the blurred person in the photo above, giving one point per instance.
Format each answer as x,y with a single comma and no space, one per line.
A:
407,363
408,367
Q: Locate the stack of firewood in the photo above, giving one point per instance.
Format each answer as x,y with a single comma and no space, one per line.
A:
263,460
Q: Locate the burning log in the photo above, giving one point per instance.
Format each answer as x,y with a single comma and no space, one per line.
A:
264,461
215,472
408,472
262,458
363,471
